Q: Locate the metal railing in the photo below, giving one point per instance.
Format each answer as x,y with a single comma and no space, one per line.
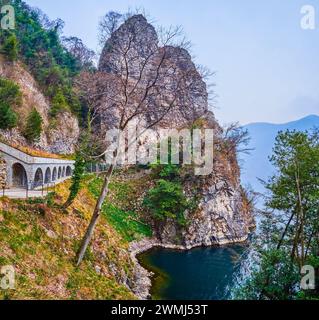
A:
25,192
96,168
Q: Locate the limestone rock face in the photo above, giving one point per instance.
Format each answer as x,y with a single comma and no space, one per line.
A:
137,35
3,173
61,138
223,214
134,55
220,219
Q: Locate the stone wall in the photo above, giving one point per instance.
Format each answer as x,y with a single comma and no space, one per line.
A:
3,173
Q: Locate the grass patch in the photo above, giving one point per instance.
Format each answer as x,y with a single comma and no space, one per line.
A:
44,262
128,223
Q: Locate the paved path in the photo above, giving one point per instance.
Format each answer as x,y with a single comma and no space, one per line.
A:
16,193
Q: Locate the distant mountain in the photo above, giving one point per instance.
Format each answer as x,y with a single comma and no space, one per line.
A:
256,164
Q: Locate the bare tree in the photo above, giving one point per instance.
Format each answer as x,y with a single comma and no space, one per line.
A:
107,25
235,139
79,51
142,81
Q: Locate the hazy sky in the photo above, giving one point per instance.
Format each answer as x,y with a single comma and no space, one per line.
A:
267,67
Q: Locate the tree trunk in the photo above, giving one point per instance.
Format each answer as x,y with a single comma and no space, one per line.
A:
96,214
67,204
285,231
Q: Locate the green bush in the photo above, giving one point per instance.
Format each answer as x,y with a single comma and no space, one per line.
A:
59,104
10,95
8,118
10,47
33,129
78,174
42,51
167,200
9,92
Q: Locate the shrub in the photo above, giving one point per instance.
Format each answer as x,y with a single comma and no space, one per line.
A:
59,104
9,92
9,95
10,47
78,173
167,200
8,118
33,129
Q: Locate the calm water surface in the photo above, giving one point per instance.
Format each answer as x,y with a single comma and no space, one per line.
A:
198,274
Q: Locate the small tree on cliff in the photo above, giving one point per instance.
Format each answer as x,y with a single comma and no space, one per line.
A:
8,118
79,169
10,48
10,95
33,128
138,80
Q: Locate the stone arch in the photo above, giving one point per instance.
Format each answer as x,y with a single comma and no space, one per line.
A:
19,176
63,172
47,175
68,171
38,178
54,174
60,173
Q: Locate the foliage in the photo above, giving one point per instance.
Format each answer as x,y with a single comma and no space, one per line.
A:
84,56
38,153
274,279
59,104
167,200
40,260
169,172
107,25
128,223
10,48
9,96
78,173
9,92
33,128
8,118
288,238
36,41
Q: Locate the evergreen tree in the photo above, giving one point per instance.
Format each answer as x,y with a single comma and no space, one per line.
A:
8,118
10,95
10,47
167,200
289,232
79,170
33,128
9,92
59,104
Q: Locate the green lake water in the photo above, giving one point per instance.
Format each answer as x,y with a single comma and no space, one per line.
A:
197,274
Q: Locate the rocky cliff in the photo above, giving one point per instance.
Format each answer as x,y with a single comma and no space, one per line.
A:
224,214
58,137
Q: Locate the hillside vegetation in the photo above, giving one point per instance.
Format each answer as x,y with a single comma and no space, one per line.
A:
40,241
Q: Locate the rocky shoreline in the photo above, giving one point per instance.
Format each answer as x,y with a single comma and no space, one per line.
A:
142,277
